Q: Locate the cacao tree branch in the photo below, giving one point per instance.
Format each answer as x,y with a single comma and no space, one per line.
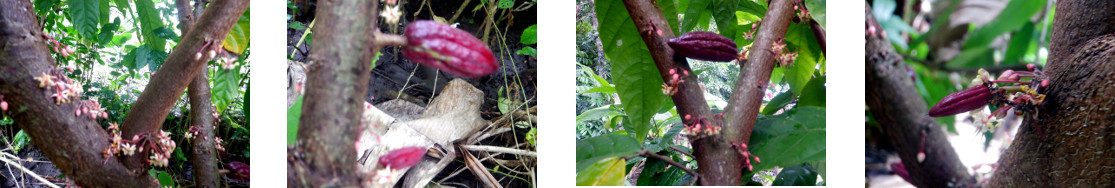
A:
336,83
819,32
647,153
182,65
201,110
901,111
747,97
384,40
73,143
719,166
1075,148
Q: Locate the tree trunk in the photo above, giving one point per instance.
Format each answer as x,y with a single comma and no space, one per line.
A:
720,164
180,68
901,111
203,155
333,105
73,143
1077,144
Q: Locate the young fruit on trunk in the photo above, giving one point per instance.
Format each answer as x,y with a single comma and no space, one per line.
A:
449,49
704,45
962,101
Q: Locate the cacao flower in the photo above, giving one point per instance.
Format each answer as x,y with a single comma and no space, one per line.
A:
449,49
704,45
403,157
962,101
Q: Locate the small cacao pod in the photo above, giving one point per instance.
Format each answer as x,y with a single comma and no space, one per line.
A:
704,45
449,49
403,157
962,101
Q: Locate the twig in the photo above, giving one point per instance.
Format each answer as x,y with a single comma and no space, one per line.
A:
682,152
479,170
500,150
384,40
28,172
647,153
459,10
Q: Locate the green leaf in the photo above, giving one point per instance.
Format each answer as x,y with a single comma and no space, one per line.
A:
778,102
44,6
527,51
123,6
238,38
817,10
608,172
800,37
504,105
698,9
164,178
506,3
149,57
725,13
149,20
225,88
793,137
598,113
1014,16
104,11
297,25
293,115
814,93
594,149
634,74
21,140
530,35
166,33
1020,43
797,175
85,15
752,7
107,32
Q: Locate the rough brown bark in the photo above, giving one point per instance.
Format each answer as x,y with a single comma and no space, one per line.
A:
901,111
72,143
754,75
201,110
336,84
719,164
204,154
180,67
1077,144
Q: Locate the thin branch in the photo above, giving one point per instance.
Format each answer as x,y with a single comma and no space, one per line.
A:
682,152
28,172
500,150
647,153
201,110
479,170
385,40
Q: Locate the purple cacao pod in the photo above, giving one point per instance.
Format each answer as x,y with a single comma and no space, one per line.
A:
962,101
449,49
704,45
